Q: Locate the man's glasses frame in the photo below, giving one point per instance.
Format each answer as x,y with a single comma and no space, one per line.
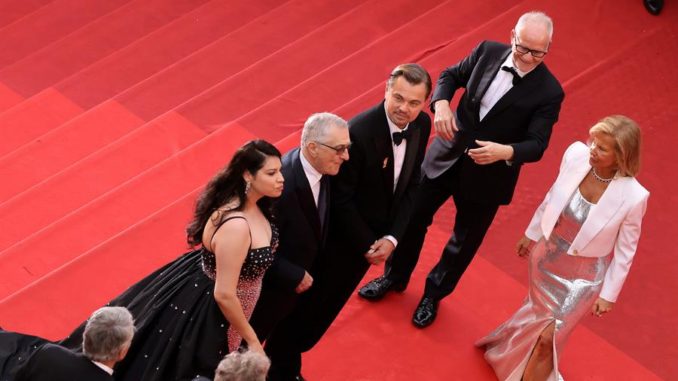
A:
339,150
523,50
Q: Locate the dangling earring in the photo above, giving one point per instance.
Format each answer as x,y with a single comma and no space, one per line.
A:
247,186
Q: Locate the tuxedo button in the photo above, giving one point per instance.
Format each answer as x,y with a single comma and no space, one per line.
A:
575,252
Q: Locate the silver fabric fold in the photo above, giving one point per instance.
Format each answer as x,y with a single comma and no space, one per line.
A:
562,289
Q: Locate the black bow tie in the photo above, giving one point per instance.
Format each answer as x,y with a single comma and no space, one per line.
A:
516,77
398,136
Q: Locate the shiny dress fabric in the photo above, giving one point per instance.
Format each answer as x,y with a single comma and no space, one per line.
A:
562,289
180,330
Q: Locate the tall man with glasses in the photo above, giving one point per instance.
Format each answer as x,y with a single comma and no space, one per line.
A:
372,199
302,219
504,119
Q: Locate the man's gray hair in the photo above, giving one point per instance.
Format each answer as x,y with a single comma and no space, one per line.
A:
246,366
535,17
318,125
108,331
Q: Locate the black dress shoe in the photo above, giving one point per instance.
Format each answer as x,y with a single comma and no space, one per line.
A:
425,313
299,377
378,287
654,6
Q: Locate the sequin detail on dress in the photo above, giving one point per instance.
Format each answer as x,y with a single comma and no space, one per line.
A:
561,290
252,272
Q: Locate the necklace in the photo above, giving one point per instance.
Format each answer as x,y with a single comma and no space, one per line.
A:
602,180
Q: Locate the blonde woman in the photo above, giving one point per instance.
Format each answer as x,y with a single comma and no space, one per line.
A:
594,208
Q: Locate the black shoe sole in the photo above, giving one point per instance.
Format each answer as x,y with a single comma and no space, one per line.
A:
374,298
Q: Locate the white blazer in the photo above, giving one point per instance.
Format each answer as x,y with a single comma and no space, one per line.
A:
612,225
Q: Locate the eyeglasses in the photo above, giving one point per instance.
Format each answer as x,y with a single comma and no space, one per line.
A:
339,150
523,50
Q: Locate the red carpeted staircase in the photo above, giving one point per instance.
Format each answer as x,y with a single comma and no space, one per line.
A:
114,113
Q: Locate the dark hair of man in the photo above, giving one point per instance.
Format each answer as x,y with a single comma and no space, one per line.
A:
413,73
229,184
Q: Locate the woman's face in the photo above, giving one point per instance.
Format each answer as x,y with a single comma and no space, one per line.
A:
602,154
268,181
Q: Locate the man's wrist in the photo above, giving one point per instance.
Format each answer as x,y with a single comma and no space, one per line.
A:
392,239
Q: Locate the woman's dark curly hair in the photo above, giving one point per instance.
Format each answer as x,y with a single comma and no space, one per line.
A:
229,185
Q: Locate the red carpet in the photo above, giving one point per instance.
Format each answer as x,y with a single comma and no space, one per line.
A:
113,114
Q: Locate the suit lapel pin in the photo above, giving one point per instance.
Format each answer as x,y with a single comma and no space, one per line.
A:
385,163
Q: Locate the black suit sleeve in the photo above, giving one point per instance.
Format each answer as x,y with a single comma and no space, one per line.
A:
286,274
539,130
454,77
344,187
283,272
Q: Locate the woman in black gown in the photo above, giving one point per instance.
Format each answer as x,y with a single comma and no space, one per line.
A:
194,310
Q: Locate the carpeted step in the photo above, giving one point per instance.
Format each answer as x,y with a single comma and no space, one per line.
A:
118,209
300,114
299,61
124,69
91,43
90,180
11,10
97,173
231,54
193,75
49,24
49,108
162,49
8,97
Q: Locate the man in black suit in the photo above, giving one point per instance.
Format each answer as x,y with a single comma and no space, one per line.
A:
372,199
106,339
302,217
504,119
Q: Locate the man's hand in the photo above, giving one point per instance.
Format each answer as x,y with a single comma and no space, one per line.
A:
444,121
305,283
490,152
379,251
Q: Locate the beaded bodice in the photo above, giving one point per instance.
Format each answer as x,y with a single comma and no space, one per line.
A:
256,262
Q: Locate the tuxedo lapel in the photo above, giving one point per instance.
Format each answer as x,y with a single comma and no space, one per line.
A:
611,200
561,195
302,188
384,151
408,162
527,86
488,75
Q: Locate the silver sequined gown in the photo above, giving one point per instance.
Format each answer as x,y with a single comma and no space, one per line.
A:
562,289
180,331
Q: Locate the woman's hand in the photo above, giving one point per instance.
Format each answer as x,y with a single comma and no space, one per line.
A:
601,306
256,347
524,246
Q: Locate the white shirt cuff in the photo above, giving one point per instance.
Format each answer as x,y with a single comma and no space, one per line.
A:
392,239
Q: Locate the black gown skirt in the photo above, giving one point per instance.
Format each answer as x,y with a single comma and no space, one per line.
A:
180,331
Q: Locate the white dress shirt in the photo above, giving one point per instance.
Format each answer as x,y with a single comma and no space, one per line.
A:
103,367
501,84
398,150
312,175
398,160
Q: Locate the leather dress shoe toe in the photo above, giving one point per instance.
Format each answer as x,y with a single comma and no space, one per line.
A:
654,6
378,287
425,313
299,377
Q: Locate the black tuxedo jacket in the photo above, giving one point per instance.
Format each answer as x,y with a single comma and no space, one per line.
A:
364,205
55,363
364,208
301,243
522,118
